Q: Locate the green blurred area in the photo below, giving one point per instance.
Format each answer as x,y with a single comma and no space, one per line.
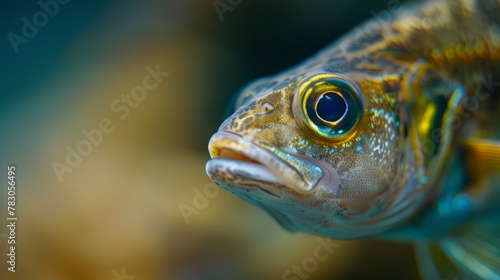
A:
118,207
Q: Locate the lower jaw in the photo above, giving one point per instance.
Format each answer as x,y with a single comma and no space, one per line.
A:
242,170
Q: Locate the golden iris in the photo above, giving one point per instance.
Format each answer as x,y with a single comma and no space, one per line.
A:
328,106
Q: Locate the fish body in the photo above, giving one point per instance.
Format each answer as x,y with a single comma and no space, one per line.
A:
392,131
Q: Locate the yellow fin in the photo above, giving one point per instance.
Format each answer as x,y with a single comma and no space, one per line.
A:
482,158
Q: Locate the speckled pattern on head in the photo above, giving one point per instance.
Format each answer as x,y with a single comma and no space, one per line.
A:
411,76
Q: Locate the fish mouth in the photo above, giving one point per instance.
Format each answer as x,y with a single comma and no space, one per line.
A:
236,155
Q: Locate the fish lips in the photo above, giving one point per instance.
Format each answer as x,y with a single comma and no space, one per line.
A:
252,183
274,181
242,158
258,176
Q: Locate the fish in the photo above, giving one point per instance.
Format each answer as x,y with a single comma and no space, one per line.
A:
392,131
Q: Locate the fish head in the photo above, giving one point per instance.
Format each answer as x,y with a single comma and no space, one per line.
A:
325,152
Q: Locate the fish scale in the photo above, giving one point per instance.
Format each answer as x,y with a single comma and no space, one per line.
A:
415,155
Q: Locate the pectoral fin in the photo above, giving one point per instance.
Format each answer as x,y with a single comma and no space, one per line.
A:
472,254
471,251
482,159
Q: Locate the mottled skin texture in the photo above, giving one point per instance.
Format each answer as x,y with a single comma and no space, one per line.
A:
415,75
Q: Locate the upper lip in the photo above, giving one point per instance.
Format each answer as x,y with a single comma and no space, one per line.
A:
294,172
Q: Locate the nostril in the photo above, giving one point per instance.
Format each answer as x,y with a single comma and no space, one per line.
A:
266,108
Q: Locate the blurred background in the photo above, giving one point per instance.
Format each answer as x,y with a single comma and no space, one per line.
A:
114,210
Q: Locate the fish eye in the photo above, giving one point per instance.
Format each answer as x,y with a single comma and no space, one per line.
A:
331,107
328,106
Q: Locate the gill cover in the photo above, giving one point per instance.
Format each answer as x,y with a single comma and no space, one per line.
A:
432,103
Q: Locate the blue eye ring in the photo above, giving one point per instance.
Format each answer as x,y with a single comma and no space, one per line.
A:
309,107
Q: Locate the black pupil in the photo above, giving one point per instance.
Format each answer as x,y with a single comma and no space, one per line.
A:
331,107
